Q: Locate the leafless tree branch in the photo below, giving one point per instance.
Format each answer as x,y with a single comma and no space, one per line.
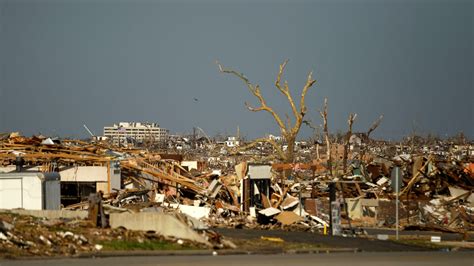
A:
288,131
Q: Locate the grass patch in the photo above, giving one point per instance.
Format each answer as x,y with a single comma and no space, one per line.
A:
422,243
259,244
145,245
305,246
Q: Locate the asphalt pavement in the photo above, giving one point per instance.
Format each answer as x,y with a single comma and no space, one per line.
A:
444,236
361,244
353,259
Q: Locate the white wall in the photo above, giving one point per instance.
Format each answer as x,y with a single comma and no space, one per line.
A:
21,192
32,193
11,193
84,174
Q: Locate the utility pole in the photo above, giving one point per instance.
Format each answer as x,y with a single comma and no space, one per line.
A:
397,177
332,198
194,138
396,184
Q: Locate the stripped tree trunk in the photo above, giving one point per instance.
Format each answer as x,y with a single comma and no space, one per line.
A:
288,131
350,121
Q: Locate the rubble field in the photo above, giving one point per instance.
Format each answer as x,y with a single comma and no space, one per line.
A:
24,236
142,188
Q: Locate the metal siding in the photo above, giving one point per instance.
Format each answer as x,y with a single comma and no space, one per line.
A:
52,195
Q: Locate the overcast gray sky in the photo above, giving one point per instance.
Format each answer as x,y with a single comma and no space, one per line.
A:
66,63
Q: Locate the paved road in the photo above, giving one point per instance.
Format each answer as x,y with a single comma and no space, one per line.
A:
353,259
444,236
361,244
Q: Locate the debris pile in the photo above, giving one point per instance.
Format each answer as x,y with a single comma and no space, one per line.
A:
23,235
242,191
26,235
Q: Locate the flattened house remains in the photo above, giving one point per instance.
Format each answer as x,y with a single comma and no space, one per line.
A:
241,192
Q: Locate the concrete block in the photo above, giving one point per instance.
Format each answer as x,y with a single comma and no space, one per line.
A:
163,224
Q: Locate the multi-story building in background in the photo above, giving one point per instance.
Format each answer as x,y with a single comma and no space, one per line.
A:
137,133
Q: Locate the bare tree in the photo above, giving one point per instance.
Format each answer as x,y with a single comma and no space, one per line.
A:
324,116
289,132
350,121
374,126
316,137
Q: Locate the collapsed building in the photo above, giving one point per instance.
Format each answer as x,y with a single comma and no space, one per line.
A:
244,190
